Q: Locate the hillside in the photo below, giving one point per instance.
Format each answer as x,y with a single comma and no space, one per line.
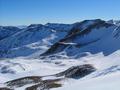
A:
83,55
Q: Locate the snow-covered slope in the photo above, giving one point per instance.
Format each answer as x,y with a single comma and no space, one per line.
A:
35,38
110,82
6,31
116,22
107,70
83,55
98,37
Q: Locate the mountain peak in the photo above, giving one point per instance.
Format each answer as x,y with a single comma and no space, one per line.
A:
35,25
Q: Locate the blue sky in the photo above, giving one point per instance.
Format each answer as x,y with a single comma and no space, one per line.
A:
25,12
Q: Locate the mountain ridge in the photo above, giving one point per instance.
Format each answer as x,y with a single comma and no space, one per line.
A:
37,39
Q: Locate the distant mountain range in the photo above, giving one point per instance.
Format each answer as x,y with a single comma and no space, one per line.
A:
59,40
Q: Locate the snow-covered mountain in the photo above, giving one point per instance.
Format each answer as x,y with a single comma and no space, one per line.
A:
34,38
83,55
6,31
37,39
99,36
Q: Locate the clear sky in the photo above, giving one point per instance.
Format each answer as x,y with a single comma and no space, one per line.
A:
25,12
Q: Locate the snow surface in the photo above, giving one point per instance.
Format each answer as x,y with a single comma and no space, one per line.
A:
109,82
106,76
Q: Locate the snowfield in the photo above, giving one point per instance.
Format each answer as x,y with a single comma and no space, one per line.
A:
108,82
105,77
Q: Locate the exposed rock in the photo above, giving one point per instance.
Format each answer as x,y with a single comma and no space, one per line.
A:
5,88
23,81
36,82
77,71
45,85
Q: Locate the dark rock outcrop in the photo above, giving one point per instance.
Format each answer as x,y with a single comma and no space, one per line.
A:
37,83
23,81
77,71
5,88
45,85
